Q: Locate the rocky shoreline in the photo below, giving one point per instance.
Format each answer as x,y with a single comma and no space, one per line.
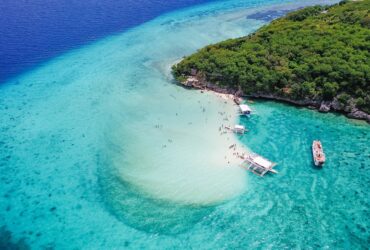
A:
349,110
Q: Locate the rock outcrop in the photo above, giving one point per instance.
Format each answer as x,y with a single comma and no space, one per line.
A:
324,107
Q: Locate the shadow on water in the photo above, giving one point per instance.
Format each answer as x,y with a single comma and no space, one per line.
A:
142,212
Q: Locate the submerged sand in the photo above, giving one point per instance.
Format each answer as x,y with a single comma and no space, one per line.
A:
184,153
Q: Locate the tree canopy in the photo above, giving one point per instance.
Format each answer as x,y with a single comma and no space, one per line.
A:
318,53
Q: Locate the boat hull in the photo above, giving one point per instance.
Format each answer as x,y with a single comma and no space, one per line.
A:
318,154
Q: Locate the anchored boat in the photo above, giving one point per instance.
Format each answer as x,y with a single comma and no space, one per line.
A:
239,129
318,153
258,164
245,109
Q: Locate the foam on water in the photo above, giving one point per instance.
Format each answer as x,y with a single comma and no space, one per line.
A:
101,136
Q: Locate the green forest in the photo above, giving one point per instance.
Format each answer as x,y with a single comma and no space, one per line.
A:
316,53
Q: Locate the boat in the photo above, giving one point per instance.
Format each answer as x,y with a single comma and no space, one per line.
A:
239,129
258,164
318,153
245,109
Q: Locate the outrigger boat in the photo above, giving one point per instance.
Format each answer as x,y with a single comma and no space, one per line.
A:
258,164
239,129
245,109
318,153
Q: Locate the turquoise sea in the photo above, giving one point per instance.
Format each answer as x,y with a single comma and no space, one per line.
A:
99,149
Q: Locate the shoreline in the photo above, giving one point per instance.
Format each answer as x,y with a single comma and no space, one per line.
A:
333,106
236,146
240,150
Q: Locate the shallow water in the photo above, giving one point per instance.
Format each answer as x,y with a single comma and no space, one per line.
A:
316,207
100,150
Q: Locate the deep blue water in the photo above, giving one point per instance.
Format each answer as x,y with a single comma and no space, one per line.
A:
37,30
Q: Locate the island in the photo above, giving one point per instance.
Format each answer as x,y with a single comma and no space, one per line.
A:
317,57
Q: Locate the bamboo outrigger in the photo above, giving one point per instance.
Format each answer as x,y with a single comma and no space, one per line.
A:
258,165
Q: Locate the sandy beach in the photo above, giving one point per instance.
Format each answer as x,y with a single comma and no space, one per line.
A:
193,151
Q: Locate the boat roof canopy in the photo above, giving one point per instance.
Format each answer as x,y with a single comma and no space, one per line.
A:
239,127
245,108
263,162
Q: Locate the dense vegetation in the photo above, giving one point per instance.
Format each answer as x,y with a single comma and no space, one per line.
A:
315,53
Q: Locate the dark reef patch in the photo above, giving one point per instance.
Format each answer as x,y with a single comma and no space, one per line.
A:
8,243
